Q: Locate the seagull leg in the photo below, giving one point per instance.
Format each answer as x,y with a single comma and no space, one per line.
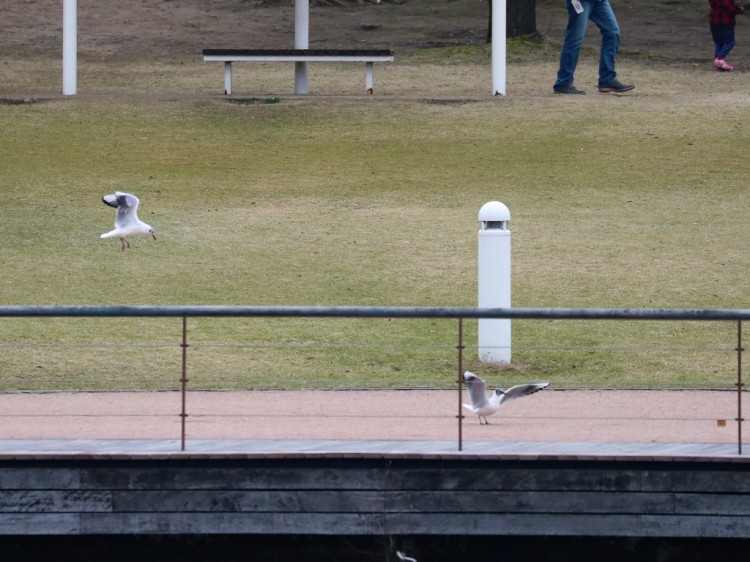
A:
124,243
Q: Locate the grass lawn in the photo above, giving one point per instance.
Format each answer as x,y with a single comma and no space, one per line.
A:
617,201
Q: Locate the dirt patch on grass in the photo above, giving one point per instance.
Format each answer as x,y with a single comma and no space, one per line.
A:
157,28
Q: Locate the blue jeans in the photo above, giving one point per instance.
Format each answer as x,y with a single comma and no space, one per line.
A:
723,36
600,12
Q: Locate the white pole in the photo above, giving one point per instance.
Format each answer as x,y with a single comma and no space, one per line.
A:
70,47
498,47
494,337
301,41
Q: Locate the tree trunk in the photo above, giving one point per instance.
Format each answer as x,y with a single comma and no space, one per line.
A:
520,18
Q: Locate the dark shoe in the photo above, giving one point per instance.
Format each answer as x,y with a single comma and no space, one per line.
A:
567,89
616,86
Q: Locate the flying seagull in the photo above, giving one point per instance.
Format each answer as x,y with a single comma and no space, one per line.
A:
404,557
484,406
127,222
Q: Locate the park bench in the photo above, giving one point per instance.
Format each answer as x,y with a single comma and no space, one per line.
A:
228,56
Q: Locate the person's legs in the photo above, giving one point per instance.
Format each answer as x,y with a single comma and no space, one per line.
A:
716,36
604,18
725,42
571,48
723,36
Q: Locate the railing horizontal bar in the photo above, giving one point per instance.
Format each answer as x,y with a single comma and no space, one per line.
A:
333,346
375,312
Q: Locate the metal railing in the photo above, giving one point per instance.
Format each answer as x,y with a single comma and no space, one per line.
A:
457,313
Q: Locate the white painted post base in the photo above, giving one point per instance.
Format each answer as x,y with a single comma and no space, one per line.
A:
228,78
368,77
300,78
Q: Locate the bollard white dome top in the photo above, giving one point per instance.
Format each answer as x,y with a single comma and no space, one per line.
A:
494,211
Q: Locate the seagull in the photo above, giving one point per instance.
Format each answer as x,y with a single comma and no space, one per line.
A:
404,557
127,222
483,406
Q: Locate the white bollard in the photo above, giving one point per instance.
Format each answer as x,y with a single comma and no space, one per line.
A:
70,47
494,338
301,41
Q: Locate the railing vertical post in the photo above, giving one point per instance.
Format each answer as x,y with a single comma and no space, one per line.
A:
460,349
183,382
739,387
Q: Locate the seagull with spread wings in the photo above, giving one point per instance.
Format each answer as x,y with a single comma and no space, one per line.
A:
127,222
484,406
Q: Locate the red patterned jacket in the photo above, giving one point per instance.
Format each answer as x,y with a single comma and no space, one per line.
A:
723,11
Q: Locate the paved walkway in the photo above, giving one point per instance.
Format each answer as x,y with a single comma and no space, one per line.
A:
575,424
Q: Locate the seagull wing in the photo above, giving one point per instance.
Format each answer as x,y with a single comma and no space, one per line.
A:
127,208
519,391
477,391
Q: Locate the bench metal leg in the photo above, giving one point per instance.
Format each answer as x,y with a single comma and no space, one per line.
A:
368,77
227,78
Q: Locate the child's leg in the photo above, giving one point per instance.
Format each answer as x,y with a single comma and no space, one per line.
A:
726,48
717,40
723,36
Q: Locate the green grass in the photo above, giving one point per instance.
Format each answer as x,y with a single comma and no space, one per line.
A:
516,49
637,201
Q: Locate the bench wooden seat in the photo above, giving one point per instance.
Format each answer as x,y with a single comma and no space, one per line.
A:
228,56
